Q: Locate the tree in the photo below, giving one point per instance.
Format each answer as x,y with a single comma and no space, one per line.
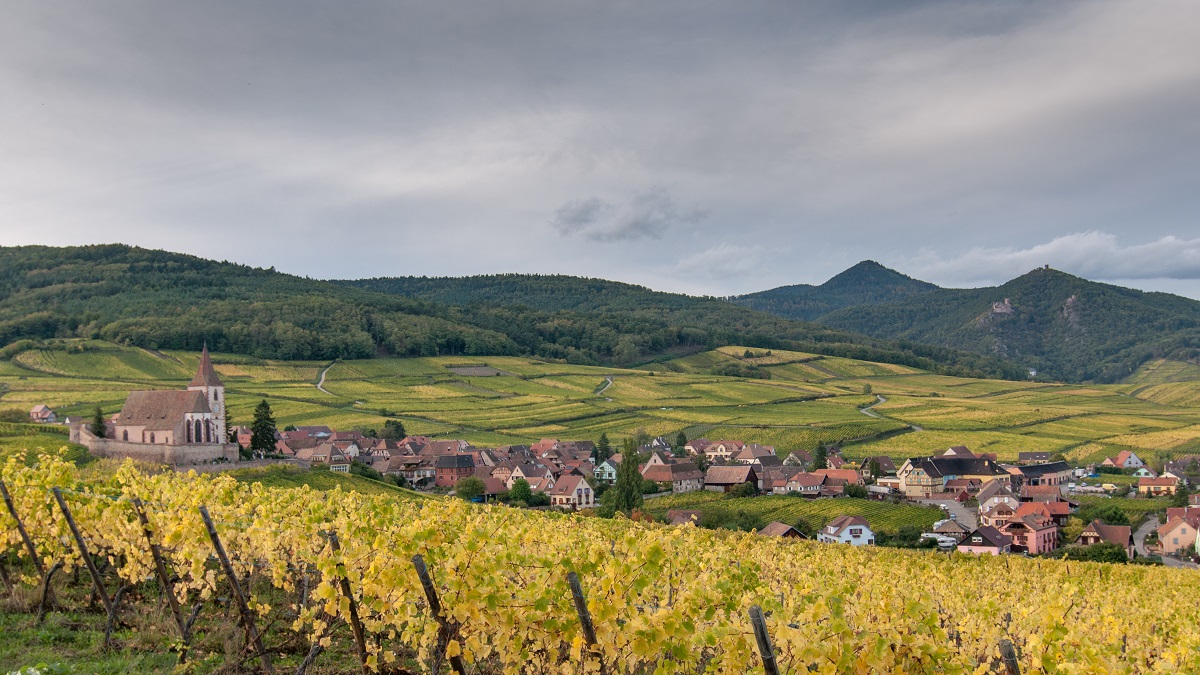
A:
393,430
471,488
520,491
874,469
603,449
855,491
262,429
289,427
628,487
1178,500
820,458
98,427
743,490
866,389
641,437
681,440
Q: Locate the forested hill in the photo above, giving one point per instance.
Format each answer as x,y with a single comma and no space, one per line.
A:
692,319
160,300
867,283
1063,326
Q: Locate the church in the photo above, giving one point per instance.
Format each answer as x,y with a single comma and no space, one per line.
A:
170,427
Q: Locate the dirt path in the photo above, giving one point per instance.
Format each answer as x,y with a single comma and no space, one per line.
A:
879,400
607,383
321,382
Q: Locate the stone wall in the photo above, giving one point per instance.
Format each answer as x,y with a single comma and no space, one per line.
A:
157,453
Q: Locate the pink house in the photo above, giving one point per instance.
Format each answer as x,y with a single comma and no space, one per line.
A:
986,539
1033,534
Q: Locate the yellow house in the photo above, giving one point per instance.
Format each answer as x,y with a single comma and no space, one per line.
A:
1154,487
927,476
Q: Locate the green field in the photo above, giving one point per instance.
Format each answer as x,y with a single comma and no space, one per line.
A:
883,516
807,400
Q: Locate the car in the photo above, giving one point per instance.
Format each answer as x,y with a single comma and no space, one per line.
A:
944,508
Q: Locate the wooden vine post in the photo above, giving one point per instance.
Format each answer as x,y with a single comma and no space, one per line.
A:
12,511
247,617
360,638
585,616
765,649
446,629
1009,656
111,604
160,568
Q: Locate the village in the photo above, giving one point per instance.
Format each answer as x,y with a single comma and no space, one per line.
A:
990,507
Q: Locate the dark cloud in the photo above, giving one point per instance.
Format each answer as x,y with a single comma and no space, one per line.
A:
290,133
649,214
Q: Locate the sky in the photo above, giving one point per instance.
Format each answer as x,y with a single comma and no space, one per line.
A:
701,147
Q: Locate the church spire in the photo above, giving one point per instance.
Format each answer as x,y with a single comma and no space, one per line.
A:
205,375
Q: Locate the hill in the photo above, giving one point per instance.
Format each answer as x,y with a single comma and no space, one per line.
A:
1062,326
670,320
867,283
161,300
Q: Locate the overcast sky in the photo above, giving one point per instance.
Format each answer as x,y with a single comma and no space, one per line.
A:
704,147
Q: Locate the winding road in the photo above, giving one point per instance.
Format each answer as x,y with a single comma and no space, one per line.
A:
1139,544
880,401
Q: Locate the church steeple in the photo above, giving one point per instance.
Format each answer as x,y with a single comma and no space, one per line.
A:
205,375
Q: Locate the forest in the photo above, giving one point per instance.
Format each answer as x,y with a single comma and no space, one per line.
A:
162,300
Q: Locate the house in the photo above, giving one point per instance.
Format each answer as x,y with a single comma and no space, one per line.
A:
1154,487
452,468
683,477
968,485
42,414
754,453
723,451
994,493
778,529
853,530
1145,472
835,461
697,446
1032,534
798,458
725,478
839,476
532,473
1126,459
1032,457
959,451
1041,493
571,492
927,476
951,528
607,471
1044,473
886,466
1058,512
1099,532
998,516
986,539
807,484
1178,535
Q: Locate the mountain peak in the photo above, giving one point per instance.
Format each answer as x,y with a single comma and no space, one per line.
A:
870,274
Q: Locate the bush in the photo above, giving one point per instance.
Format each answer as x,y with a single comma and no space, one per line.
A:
357,468
743,490
856,491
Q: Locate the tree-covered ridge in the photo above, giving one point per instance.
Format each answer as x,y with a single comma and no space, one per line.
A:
867,283
1063,326
649,322
162,300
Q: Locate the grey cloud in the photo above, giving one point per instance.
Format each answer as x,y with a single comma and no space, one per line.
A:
1095,255
293,132
649,214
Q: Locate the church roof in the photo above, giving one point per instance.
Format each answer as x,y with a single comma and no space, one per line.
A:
205,375
161,410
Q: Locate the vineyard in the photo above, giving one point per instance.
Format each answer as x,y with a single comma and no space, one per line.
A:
340,571
883,516
808,400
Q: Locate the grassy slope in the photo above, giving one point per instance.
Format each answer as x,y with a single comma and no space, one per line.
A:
809,399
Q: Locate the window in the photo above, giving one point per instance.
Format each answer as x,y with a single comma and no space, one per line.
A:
151,438
125,435
856,532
